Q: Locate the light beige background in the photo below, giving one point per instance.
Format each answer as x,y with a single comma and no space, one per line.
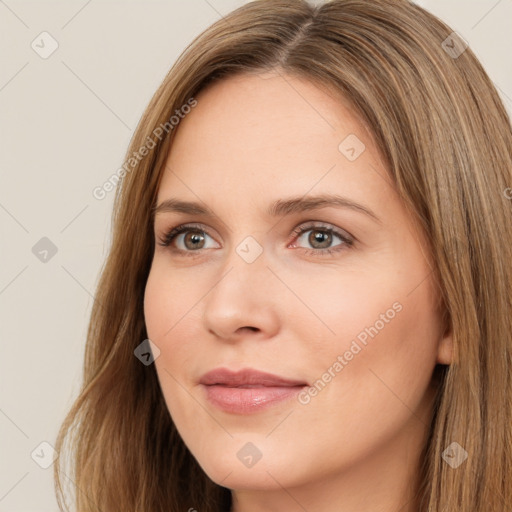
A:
65,123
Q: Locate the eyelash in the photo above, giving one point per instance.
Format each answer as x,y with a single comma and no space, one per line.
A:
171,235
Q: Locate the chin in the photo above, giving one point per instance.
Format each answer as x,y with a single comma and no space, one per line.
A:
229,471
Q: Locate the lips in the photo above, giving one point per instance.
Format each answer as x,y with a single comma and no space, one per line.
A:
247,378
247,391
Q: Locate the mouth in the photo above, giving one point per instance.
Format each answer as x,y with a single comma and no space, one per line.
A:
247,391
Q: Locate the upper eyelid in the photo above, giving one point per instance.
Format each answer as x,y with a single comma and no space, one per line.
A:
303,227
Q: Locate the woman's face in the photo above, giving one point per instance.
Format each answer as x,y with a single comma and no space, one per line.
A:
347,308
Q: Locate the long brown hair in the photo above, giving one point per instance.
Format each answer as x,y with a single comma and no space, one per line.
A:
445,136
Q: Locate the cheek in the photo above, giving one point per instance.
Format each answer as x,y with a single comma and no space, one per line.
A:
155,303
169,300
168,315
369,378
172,313
381,322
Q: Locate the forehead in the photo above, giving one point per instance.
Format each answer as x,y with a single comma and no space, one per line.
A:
256,138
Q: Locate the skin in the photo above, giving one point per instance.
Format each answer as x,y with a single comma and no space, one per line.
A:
356,445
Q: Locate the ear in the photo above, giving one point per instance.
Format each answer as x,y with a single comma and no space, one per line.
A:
445,347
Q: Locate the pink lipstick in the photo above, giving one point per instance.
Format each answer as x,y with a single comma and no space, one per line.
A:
247,391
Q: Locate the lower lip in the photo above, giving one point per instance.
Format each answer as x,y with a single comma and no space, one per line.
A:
249,400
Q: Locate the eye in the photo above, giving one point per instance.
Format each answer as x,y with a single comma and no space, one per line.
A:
190,239
321,238
186,239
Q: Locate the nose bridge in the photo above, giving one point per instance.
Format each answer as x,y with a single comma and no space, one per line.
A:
240,296
244,268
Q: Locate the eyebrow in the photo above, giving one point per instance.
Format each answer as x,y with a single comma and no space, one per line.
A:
279,208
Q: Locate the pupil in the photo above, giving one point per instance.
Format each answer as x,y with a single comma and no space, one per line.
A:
321,237
194,238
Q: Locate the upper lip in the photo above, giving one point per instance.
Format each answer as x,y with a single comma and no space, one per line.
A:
246,376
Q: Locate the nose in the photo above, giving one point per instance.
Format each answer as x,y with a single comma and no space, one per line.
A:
243,301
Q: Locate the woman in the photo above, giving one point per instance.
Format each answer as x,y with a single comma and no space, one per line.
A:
306,303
